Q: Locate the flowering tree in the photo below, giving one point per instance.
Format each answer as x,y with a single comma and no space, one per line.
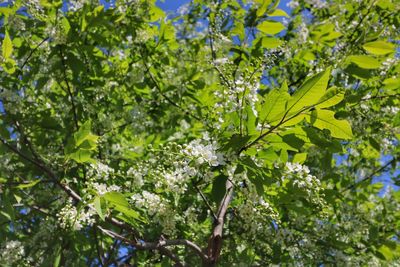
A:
226,133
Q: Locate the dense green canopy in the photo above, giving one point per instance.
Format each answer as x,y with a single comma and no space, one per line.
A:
229,133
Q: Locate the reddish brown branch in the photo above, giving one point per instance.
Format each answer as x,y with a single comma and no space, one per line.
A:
215,241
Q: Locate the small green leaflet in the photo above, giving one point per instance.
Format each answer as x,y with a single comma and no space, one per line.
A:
98,208
65,24
84,134
271,27
82,144
364,61
379,48
7,46
261,10
325,119
27,185
120,204
278,13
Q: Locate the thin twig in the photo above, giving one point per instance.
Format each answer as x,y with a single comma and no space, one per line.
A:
370,176
206,202
71,96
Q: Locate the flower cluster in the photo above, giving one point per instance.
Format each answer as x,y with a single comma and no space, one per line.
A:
299,177
69,217
158,208
204,153
100,171
12,253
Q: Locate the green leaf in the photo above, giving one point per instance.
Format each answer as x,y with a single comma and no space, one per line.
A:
31,184
128,212
332,96
310,92
300,158
119,203
379,48
97,207
218,188
250,121
116,198
290,120
385,252
9,65
325,119
271,27
57,256
82,133
261,10
156,13
65,25
278,13
270,42
82,156
274,104
7,47
364,61
391,83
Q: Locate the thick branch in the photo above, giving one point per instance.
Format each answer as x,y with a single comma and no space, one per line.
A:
215,241
159,245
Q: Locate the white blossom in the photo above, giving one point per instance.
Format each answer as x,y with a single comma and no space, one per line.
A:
69,217
204,153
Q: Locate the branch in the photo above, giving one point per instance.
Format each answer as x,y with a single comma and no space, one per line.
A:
31,53
371,175
69,90
159,245
215,241
206,202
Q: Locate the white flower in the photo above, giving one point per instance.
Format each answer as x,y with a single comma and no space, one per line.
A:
204,153
12,252
69,217
101,188
293,4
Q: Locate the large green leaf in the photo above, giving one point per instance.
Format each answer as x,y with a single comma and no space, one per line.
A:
274,104
325,119
379,48
270,42
331,97
364,61
271,27
309,93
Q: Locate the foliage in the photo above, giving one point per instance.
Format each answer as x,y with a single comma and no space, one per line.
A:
227,133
